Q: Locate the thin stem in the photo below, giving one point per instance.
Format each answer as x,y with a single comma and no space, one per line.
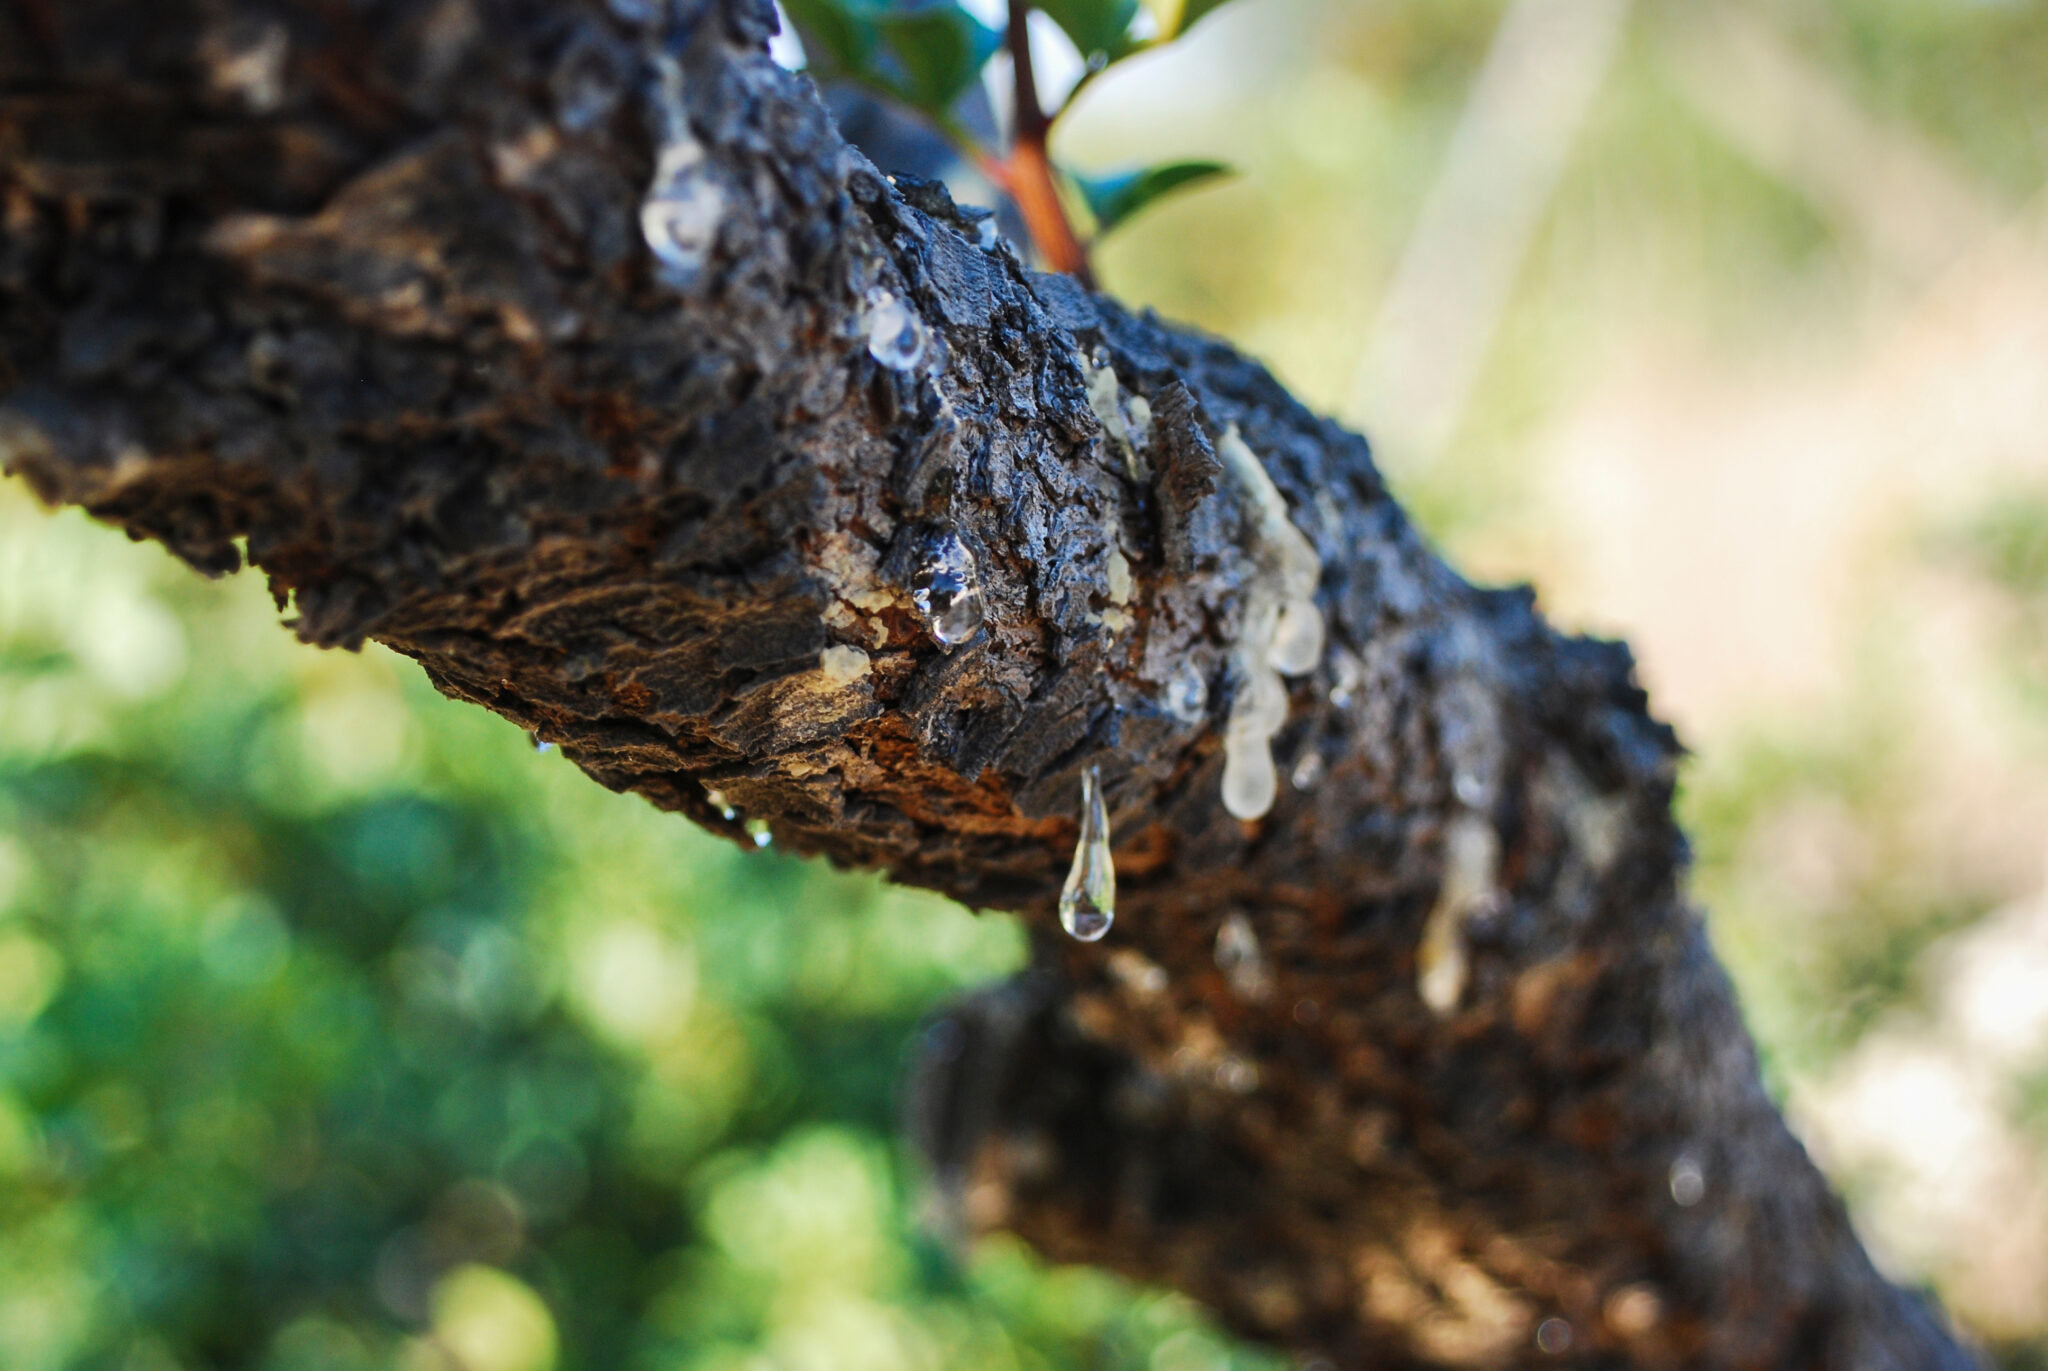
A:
1028,122
1027,172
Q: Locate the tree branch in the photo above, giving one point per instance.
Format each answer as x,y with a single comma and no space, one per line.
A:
1428,1058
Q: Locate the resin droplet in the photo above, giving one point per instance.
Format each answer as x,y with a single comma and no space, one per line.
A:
1249,781
1260,707
1088,899
1139,411
1688,1182
1346,674
540,744
843,665
757,829
681,214
947,591
1187,694
1470,891
896,336
1239,959
1297,644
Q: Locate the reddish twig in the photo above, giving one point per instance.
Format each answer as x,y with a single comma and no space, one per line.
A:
1026,173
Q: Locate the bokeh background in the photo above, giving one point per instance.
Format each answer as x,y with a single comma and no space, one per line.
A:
340,1029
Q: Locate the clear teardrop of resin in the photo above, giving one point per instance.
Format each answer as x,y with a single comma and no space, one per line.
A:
947,590
1088,900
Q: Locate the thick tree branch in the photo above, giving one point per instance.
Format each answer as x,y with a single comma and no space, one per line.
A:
1432,1053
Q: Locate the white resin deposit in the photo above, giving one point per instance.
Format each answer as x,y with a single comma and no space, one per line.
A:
1281,634
684,206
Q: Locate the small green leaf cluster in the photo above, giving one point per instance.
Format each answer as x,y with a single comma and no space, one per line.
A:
925,55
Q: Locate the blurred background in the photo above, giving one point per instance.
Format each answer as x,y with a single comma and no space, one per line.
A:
340,1029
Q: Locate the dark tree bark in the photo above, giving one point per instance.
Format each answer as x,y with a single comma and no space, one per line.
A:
1430,1057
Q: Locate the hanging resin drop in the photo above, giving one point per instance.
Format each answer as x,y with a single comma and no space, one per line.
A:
1297,645
1088,900
1250,782
896,336
1260,709
947,591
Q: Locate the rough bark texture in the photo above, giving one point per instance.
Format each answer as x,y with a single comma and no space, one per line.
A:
365,285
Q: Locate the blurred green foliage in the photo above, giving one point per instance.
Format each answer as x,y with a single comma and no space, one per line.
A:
340,1029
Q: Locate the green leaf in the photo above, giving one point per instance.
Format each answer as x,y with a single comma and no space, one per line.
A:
939,50
838,35
1113,199
1096,26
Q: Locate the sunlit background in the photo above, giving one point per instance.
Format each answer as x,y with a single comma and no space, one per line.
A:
339,1029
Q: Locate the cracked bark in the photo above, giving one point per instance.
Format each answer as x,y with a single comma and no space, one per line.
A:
365,287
